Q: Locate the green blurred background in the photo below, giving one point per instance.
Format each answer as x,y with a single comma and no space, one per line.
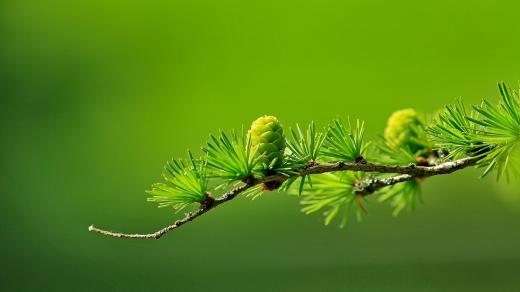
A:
97,95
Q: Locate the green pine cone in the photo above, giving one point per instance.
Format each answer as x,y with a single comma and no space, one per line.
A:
400,129
268,140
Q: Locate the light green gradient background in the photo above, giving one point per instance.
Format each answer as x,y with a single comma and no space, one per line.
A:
97,95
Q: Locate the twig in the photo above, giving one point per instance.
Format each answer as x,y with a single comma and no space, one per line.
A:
366,188
373,184
187,218
414,170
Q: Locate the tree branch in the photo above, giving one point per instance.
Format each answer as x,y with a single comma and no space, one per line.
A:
187,217
365,188
373,184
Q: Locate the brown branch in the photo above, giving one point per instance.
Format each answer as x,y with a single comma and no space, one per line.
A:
371,184
187,217
367,187
414,170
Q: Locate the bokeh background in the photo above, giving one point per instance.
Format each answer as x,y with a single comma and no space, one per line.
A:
97,95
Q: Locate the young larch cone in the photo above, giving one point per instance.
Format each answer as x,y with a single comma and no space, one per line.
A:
400,129
268,140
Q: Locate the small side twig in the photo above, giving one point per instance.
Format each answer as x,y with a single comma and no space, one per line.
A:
371,185
187,218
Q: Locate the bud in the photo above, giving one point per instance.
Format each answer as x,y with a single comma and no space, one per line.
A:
402,128
268,140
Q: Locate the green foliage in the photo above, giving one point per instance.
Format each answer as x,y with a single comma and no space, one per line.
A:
490,132
513,162
305,146
454,132
264,158
405,140
405,129
185,184
344,143
402,196
389,153
231,157
304,149
333,194
268,141
254,192
500,131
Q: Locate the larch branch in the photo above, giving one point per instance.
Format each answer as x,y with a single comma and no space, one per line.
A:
187,217
370,186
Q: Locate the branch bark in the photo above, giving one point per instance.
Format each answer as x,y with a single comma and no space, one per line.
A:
366,188
371,185
187,217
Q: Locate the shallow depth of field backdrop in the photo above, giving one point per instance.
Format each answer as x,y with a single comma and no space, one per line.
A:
97,95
